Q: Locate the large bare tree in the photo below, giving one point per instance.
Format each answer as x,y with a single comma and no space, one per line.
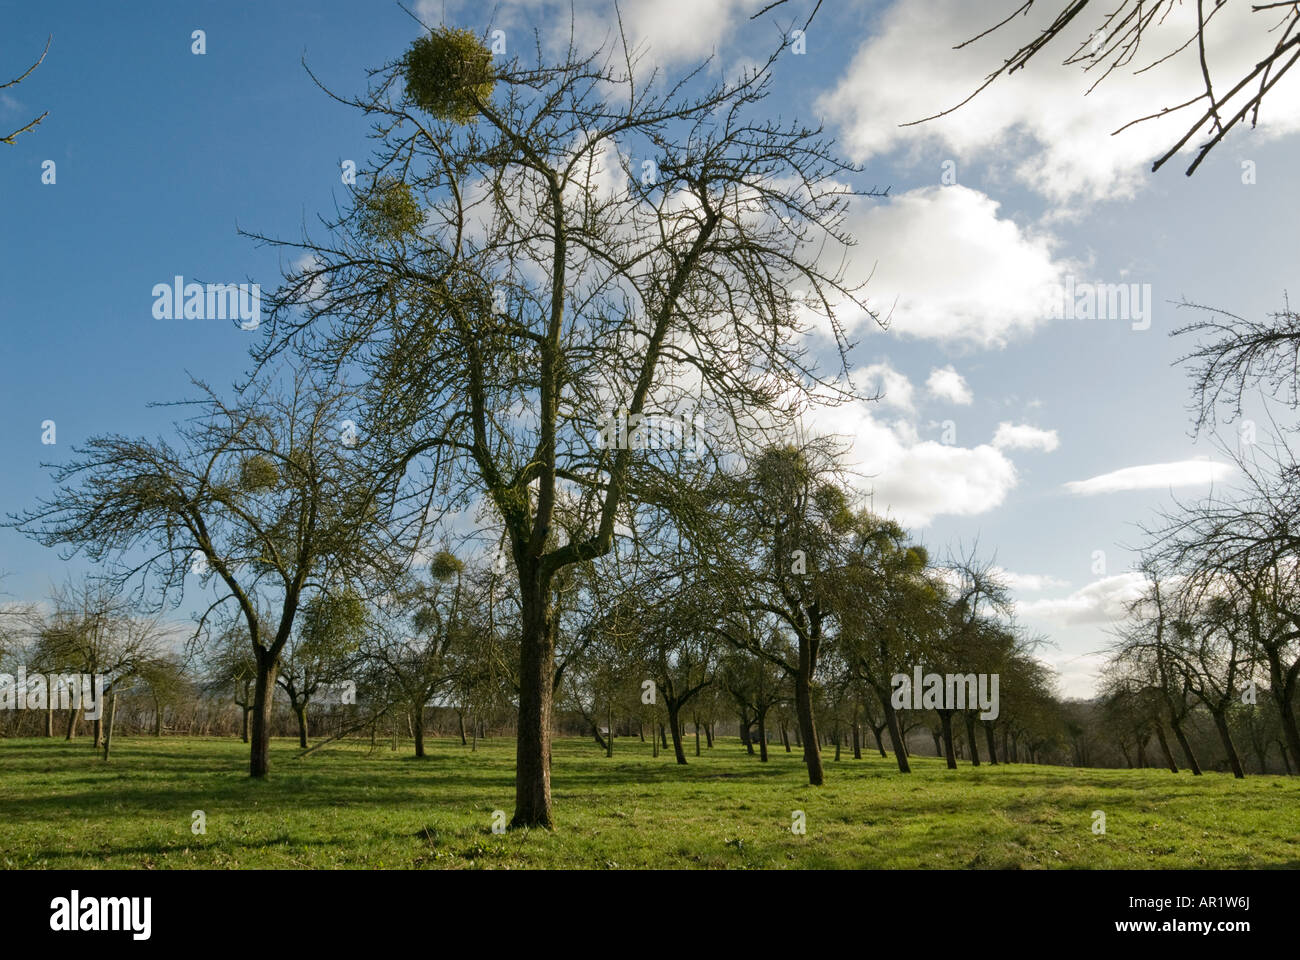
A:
539,246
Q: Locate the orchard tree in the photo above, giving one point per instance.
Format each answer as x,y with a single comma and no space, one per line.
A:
259,500
543,254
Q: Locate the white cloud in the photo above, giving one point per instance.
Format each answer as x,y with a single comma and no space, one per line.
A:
916,480
1038,121
1153,476
894,388
1102,601
943,266
1028,582
1021,436
947,384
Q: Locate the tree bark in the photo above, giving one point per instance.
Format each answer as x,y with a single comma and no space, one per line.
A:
674,721
945,721
895,735
762,736
300,714
970,739
880,743
1284,696
990,742
417,727
1234,761
1164,747
807,724
536,676
259,761
108,727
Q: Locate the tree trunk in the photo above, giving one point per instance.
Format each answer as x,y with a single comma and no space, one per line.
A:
938,742
1164,747
663,737
785,737
108,727
895,735
744,734
674,721
857,740
880,743
97,729
945,721
970,739
812,754
762,736
246,710
1284,696
990,742
49,717
417,727
300,713
460,719
259,761
609,728
536,679
697,738
1234,761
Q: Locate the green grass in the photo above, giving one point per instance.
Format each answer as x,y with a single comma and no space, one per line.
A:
62,807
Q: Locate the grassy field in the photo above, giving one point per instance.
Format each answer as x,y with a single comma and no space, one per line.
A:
60,806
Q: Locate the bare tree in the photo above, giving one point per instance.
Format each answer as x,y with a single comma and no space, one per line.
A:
262,502
511,277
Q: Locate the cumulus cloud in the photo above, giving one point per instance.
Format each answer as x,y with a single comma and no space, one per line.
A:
1153,476
947,267
916,480
1021,436
894,388
1100,602
947,384
1059,139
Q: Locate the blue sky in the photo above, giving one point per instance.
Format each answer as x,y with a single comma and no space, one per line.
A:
162,154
